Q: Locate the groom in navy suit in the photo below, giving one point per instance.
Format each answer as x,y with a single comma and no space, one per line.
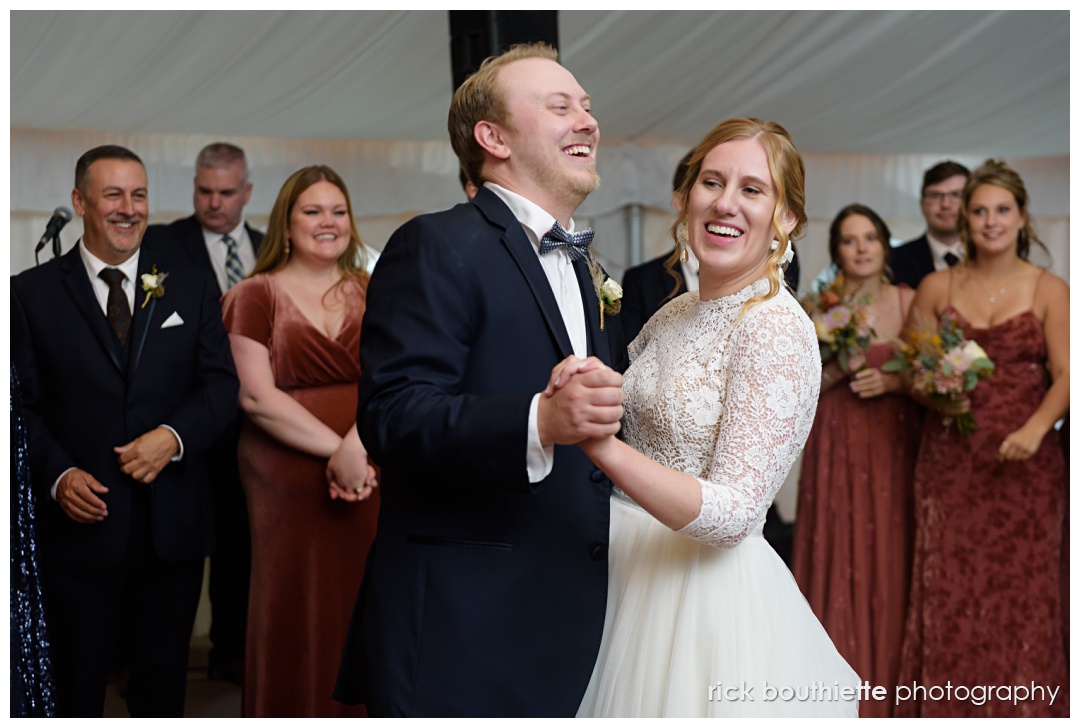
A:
486,586
127,382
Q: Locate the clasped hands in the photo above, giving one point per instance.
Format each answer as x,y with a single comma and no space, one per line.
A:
143,459
582,403
349,471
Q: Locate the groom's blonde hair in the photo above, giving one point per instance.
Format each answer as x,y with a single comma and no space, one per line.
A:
479,99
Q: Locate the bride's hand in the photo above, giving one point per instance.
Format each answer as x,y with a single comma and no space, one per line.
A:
567,368
597,447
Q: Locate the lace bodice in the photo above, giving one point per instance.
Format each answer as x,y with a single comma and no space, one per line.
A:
727,400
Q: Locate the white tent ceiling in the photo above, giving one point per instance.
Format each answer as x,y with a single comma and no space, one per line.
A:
875,82
871,98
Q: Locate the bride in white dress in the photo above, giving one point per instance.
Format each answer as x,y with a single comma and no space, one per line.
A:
703,617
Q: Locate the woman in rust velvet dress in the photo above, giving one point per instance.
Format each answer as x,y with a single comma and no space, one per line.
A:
986,592
294,326
854,524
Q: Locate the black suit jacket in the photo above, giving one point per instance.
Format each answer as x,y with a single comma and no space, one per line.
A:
85,395
645,289
484,594
185,238
911,262
186,235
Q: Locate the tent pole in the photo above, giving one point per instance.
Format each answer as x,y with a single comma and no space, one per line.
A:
634,218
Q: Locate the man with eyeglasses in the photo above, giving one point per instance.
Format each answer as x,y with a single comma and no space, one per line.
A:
939,247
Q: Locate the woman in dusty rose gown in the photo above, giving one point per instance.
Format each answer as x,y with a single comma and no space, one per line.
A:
294,326
986,584
854,524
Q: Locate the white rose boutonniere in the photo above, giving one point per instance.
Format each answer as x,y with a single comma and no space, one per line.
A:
152,285
608,291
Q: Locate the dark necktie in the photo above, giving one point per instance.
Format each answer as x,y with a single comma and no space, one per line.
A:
576,244
951,259
117,309
234,269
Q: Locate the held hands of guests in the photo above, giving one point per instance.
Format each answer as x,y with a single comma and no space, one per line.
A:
76,492
583,400
872,382
950,406
147,455
349,471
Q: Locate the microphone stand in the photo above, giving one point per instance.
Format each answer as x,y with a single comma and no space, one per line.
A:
55,249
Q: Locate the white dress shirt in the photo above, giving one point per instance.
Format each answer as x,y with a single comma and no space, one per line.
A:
94,266
560,273
938,250
218,250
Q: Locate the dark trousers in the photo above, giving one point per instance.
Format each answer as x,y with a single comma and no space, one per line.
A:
230,566
144,603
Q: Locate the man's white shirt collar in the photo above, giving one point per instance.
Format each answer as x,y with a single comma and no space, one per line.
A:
94,265
938,250
236,234
532,217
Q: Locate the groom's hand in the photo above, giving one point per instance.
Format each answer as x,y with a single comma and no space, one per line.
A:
586,404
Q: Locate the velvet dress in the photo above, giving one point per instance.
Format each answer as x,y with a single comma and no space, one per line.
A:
308,551
986,585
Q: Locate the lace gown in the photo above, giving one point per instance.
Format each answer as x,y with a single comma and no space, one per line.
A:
708,621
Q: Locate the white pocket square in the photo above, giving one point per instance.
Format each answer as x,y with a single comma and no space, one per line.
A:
173,320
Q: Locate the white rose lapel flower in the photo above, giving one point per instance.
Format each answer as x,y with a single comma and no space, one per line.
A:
153,285
608,291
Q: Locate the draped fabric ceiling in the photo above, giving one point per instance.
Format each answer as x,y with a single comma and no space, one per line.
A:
871,99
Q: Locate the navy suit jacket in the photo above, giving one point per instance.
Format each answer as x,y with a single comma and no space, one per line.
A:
85,395
484,593
911,262
186,234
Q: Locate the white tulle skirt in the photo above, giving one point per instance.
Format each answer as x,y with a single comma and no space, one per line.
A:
697,631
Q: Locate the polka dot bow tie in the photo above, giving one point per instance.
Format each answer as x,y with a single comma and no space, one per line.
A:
576,244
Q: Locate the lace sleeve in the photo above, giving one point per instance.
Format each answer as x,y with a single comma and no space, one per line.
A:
772,382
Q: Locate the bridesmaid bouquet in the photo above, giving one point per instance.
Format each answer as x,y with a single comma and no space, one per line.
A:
842,324
943,365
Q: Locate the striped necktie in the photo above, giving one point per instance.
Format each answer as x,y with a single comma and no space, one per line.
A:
234,269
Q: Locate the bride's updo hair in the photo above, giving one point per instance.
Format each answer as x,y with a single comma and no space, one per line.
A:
788,177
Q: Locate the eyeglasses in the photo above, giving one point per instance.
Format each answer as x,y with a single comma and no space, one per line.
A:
938,197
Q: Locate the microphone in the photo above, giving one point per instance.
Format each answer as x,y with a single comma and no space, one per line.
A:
61,216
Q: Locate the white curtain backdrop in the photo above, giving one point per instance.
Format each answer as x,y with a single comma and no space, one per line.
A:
391,181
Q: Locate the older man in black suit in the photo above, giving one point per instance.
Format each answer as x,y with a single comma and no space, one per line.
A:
219,240
128,380
939,247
